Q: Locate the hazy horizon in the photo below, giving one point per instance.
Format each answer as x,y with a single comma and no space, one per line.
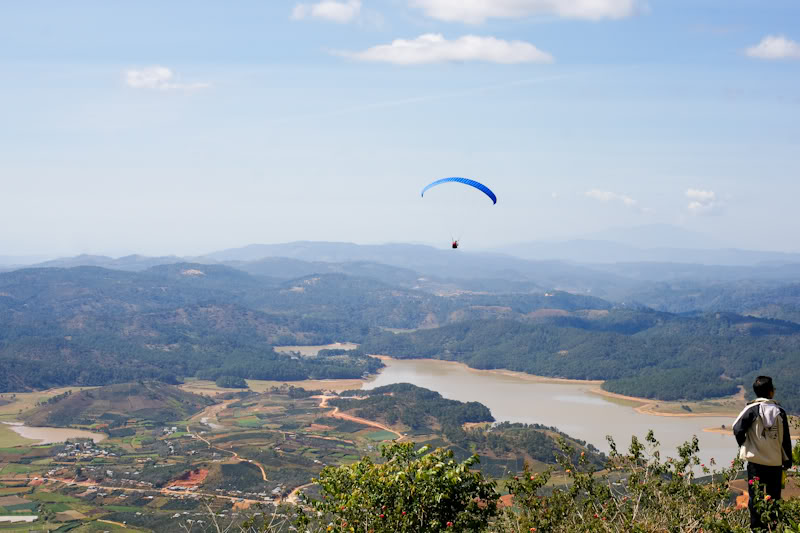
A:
668,244
188,127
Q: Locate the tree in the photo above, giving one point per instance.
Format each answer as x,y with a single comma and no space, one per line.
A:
411,491
231,382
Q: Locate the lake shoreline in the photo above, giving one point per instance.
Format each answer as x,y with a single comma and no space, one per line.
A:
651,407
570,406
646,406
499,371
52,435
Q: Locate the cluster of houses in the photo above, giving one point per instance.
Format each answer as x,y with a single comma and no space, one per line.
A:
83,450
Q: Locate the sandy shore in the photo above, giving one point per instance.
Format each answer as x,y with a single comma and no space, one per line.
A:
728,430
649,406
501,372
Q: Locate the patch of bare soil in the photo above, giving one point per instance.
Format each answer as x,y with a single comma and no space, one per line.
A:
192,478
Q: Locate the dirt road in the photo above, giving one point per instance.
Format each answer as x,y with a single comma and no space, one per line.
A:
335,413
235,454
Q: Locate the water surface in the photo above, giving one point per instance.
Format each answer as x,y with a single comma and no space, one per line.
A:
569,406
45,435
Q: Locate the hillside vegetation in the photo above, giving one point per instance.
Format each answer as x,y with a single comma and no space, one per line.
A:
94,326
147,402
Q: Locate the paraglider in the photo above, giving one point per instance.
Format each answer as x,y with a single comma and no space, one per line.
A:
466,181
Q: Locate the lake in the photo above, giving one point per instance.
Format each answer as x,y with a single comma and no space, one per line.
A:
45,435
569,406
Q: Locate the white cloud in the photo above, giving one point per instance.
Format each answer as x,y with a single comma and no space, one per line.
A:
702,202
608,196
158,77
328,9
701,195
774,47
477,11
434,48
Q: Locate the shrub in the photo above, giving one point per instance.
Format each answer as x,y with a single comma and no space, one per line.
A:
638,492
231,382
411,491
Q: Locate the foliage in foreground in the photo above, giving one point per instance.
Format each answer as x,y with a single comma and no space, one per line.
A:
415,491
411,491
637,492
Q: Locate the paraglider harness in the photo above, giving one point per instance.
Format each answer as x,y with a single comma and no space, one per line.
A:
455,244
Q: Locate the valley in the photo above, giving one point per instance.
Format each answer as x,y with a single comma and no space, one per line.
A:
223,389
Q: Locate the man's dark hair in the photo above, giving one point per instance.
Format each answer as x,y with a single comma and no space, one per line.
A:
762,386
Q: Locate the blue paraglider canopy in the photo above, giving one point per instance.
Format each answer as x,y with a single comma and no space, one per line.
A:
466,181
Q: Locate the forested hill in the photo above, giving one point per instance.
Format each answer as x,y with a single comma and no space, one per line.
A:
640,353
94,326
148,402
415,407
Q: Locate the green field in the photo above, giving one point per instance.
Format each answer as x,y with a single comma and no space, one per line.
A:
22,401
13,468
9,438
381,435
98,526
7,491
25,528
122,508
249,422
53,497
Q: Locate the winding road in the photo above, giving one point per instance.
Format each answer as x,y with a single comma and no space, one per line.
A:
335,413
213,410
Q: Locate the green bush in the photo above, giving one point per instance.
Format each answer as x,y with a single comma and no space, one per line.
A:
637,492
231,382
411,491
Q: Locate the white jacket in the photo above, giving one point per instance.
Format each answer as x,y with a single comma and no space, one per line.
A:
762,432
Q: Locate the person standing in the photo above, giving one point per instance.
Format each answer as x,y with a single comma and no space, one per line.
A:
762,432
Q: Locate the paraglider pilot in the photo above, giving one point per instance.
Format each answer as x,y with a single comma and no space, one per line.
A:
455,244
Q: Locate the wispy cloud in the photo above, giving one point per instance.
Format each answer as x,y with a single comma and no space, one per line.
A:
477,11
702,202
159,78
608,196
340,12
774,47
434,48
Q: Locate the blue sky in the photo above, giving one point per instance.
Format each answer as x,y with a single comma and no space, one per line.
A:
185,127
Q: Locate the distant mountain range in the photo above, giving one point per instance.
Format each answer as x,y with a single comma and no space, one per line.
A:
529,267
131,263
654,243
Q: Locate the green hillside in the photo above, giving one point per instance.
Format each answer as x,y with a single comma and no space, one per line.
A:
94,326
148,402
